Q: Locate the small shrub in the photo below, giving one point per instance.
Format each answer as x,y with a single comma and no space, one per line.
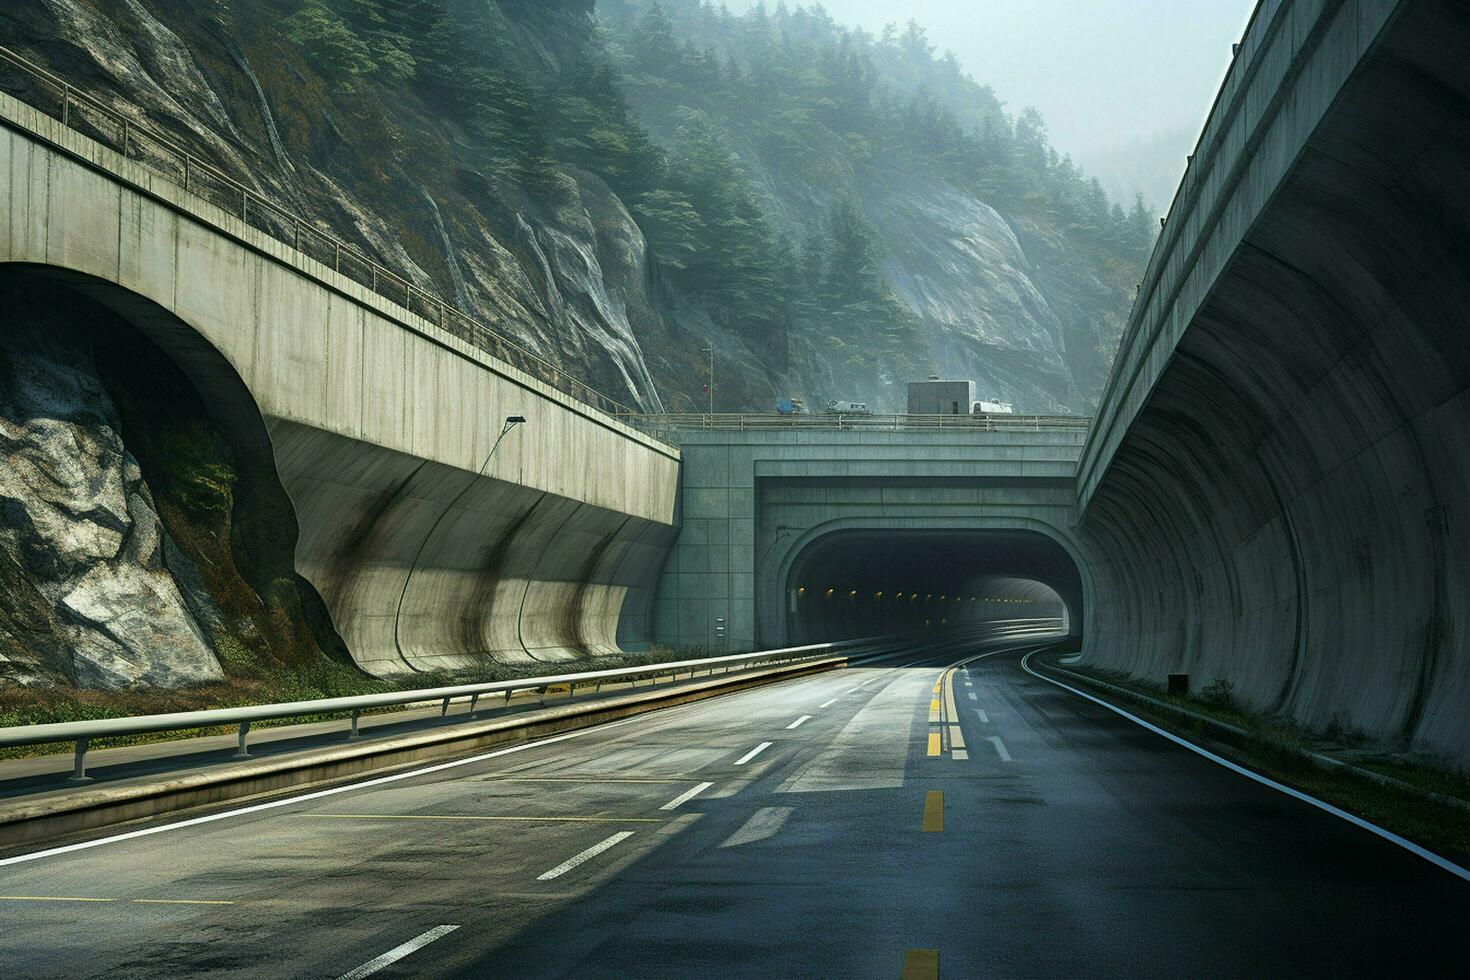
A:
1218,693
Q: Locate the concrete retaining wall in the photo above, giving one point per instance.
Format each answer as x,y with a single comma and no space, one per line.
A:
1284,505
376,418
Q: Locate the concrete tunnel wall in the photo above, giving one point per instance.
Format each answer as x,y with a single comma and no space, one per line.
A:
1288,508
864,581
376,418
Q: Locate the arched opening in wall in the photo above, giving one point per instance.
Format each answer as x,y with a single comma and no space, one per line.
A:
854,583
145,540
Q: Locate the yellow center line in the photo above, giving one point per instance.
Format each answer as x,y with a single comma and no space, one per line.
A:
920,964
53,898
933,743
471,816
933,811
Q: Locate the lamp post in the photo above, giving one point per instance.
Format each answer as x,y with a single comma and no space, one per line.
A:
710,350
511,421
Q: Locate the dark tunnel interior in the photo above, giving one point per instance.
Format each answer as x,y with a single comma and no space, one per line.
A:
867,583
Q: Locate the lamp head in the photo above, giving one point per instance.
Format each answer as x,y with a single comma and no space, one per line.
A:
511,420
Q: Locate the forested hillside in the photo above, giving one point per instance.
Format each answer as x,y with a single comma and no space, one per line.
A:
619,184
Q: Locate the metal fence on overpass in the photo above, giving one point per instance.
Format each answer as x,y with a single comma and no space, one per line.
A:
776,421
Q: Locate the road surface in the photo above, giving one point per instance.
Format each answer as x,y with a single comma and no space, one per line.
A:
896,820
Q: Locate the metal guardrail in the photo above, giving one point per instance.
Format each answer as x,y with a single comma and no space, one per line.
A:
83,732
92,118
761,421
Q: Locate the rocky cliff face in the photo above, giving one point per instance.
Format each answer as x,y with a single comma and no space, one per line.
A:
82,547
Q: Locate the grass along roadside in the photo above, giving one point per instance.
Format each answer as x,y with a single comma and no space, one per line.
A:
325,679
1285,753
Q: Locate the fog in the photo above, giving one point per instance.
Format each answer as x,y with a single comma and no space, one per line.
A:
1124,84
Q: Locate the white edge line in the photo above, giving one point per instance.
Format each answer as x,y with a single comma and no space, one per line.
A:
686,796
752,753
1357,821
797,723
398,952
307,797
586,855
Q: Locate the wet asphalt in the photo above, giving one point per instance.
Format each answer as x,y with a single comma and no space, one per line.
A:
1047,837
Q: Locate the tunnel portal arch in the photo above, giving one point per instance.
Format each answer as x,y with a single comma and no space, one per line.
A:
1055,573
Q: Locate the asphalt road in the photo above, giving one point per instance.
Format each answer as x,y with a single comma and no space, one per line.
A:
822,827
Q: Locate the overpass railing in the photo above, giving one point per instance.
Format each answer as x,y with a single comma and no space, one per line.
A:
767,421
82,733
120,131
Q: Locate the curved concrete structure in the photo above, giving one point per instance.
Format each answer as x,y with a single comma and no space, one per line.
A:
756,501
377,419
1275,490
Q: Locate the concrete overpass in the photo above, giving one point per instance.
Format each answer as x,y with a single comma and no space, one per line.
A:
761,502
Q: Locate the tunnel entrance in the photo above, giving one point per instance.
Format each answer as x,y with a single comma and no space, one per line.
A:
855,583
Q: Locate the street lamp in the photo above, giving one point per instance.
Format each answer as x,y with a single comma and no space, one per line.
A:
511,421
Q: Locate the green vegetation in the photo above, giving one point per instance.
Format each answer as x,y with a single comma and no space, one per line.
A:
741,145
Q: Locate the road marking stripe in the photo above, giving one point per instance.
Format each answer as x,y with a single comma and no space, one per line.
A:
1000,747
764,824
797,722
752,753
317,795
972,696
397,953
134,901
553,818
933,811
920,964
586,855
956,737
825,703
1388,835
581,779
960,754
933,743
686,796
983,716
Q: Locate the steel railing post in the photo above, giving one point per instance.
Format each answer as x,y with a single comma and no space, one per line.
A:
66,105
444,708
241,751
186,173
354,731
79,762
474,700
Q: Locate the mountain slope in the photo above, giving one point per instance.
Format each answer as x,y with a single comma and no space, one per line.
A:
616,186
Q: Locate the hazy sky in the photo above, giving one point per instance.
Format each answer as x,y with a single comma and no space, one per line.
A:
1106,74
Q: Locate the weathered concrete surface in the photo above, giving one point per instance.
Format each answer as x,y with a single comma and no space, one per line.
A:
377,420
1275,489
755,501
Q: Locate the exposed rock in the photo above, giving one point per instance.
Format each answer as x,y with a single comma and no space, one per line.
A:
81,537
